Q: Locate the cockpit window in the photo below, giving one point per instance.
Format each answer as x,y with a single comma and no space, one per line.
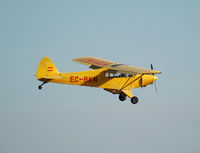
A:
116,75
117,65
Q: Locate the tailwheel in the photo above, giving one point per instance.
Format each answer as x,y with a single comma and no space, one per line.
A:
134,100
40,87
122,97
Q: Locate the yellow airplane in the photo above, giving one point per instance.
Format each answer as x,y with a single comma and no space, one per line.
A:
111,76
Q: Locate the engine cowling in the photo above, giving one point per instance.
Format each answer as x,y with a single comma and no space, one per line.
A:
147,79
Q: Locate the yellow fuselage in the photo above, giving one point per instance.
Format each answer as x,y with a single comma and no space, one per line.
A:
98,78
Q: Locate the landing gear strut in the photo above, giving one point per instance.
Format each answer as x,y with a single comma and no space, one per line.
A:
40,86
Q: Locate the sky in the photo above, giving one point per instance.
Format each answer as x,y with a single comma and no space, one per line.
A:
64,118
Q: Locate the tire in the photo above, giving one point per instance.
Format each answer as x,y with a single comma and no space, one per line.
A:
134,100
122,98
40,87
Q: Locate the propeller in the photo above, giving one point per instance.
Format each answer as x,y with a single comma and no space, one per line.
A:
155,78
156,87
152,67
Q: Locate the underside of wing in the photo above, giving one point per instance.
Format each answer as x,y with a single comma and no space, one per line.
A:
94,62
120,68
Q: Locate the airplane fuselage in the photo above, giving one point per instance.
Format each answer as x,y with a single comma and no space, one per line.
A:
98,78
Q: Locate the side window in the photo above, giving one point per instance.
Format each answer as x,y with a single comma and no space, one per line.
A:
110,75
107,75
122,75
116,75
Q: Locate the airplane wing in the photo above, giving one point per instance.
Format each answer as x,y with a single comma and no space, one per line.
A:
113,67
121,68
94,62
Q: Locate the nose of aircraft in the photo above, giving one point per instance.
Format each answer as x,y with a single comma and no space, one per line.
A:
155,78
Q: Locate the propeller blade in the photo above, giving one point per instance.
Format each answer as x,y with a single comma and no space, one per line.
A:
155,78
156,87
151,66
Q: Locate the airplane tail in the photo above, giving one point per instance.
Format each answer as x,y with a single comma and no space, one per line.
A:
46,70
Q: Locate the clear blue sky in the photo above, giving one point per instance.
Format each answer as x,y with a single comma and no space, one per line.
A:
63,118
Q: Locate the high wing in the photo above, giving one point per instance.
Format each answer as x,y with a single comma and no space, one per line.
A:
94,63
121,68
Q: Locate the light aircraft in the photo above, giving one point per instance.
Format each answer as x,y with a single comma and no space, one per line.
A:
111,76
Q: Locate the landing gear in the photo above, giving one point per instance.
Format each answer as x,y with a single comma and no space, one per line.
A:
40,86
122,97
134,100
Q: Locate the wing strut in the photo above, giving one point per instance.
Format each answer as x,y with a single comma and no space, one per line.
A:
125,83
124,86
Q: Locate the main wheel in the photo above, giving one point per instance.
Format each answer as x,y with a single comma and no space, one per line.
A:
122,98
134,100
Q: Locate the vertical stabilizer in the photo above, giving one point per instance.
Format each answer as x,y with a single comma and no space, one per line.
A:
46,69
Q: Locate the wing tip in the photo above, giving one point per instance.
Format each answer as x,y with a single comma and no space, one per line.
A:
159,72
